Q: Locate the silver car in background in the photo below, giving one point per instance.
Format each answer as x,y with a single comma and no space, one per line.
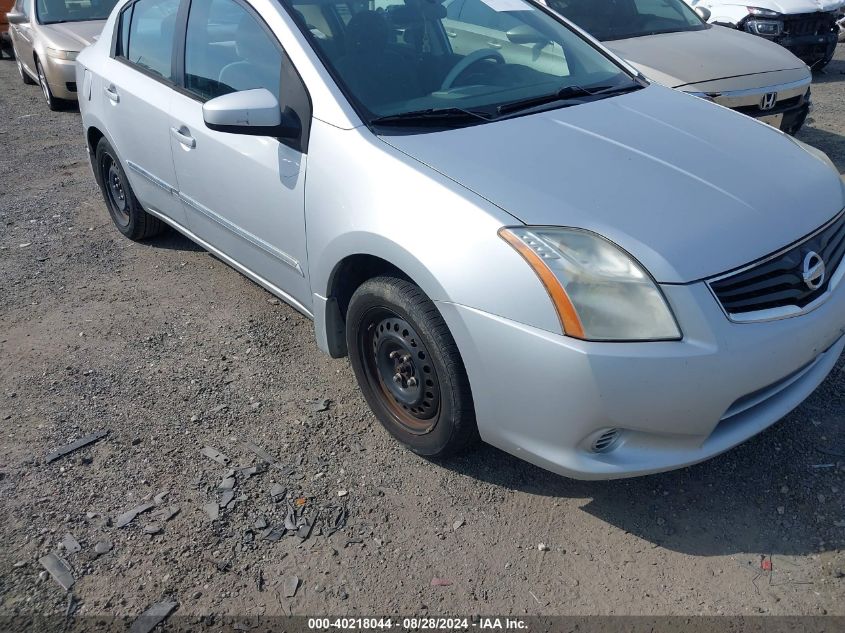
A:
672,44
47,35
529,244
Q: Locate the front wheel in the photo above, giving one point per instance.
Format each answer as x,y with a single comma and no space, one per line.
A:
52,102
409,368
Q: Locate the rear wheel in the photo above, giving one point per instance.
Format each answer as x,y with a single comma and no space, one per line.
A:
128,215
408,367
24,75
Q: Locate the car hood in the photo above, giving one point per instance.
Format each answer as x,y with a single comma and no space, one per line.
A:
73,36
699,56
786,6
691,189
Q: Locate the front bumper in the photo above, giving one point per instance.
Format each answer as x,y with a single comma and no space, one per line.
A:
811,49
810,37
61,76
546,398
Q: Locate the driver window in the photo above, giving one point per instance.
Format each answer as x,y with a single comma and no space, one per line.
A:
227,50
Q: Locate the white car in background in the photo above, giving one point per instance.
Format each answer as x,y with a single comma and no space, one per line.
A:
670,43
808,28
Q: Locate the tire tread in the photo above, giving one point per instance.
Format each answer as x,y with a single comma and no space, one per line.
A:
425,314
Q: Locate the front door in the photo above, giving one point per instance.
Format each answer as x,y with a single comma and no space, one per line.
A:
244,195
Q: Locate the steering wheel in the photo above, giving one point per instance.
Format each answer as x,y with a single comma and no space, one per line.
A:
469,60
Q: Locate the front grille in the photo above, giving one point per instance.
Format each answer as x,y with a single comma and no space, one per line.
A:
808,24
783,104
778,281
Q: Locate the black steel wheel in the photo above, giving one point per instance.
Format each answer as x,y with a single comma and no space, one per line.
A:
408,367
399,365
126,212
114,189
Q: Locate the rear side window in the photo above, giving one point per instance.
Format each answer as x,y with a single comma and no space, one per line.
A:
227,50
146,35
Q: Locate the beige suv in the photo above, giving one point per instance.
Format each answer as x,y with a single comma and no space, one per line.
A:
47,35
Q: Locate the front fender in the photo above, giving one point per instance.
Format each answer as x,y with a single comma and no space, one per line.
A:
366,197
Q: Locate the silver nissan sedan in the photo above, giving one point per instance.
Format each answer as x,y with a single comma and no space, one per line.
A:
523,242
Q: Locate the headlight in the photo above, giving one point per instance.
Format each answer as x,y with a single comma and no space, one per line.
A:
599,291
770,28
59,54
763,13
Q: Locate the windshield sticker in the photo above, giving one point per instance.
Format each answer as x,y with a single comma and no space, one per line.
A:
508,5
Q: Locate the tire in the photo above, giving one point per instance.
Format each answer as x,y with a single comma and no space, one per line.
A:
29,81
409,368
52,102
126,212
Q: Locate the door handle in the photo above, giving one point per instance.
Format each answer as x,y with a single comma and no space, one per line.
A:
111,93
494,44
184,137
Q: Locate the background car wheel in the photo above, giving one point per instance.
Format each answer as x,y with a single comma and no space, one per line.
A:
24,76
409,368
125,210
52,103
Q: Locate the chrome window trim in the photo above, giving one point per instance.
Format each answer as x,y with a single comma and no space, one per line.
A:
784,312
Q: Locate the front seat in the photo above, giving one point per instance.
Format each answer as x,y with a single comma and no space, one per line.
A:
259,65
375,74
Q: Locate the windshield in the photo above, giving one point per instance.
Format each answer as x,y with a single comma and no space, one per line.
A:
620,19
453,62
56,11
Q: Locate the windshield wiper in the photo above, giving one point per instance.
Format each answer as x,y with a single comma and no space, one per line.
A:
617,90
567,93
564,94
431,115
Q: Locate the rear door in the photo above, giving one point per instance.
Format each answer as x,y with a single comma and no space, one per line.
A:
244,195
138,89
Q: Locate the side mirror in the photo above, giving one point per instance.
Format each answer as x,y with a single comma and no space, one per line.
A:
704,13
253,112
16,17
524,34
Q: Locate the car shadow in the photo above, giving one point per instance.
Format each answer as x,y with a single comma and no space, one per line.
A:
832,73
172,240
772,495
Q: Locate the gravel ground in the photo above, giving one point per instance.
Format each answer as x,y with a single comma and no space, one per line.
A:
169,350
